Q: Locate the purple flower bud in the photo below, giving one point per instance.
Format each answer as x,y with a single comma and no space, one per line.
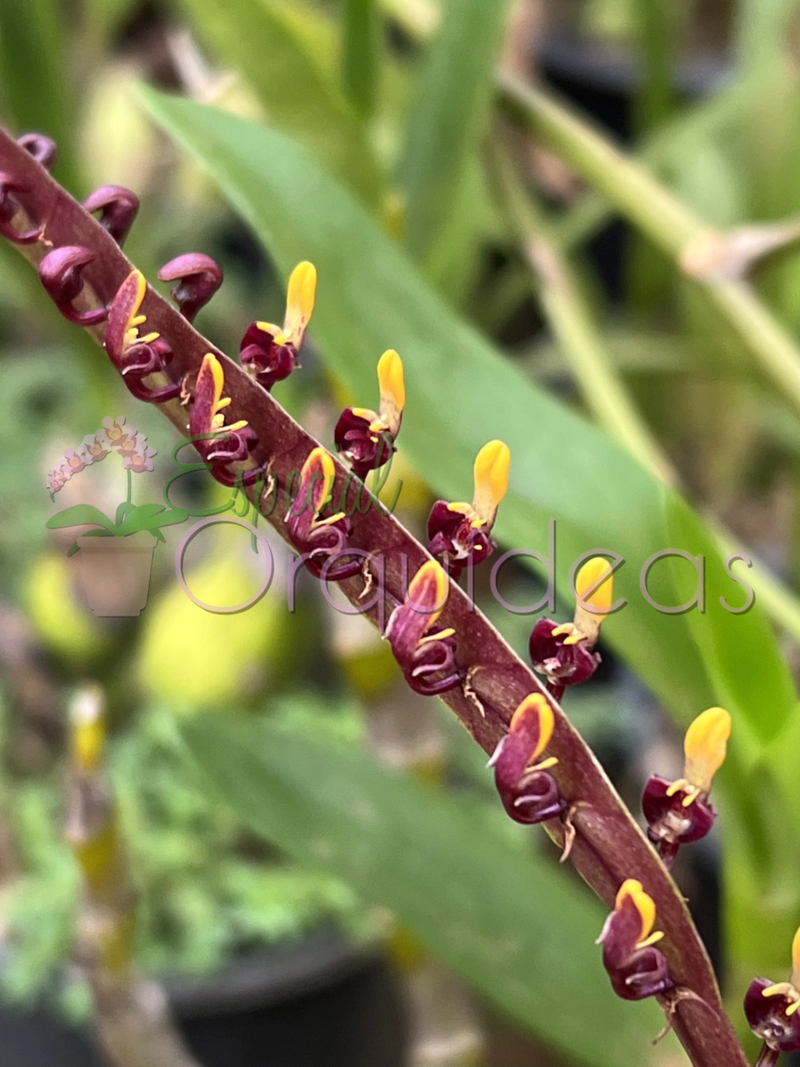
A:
427,659
636,969
678,813
60,272
268,360
198,278
9,206
670,821
367,437
772,1014
322,538
529,793
118,209
359,438
561,653
43,149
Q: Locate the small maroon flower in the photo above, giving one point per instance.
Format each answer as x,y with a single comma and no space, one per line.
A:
198,278
529,793
636,969
366,437
678,813
564,652
268,352
60,272
9,206
117,207
772,1011
218,444
427,659
137,357
460,532
43,149
322,538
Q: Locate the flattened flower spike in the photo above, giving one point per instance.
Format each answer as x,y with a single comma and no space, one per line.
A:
426,659
636,968
322,538
529,793
678,813
460,532
135,356
269,352
564,652
773,1011
366,438
220,444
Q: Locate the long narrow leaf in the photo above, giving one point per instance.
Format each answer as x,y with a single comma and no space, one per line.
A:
520,931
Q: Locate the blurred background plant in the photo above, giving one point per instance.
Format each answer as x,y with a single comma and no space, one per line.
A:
459,215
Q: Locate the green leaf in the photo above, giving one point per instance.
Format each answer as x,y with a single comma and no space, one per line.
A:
78,515
35,85
462,393
260,39
448,118
151,517
521,931
360,53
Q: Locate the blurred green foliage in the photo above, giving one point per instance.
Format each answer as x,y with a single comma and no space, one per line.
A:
363,135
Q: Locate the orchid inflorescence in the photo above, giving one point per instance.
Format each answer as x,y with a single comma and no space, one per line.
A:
543,771
113,436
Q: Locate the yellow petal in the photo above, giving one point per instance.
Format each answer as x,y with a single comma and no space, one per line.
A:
491,480
319,466
427,590
796,960
705,747
602,597
643,903
300,295
535,704
392,389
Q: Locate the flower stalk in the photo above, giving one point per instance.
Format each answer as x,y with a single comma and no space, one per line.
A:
490,681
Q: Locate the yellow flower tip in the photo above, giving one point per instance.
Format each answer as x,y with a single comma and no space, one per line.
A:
87,728
644,904
319,466
391,382
796,960
603,596
427,591
491,480
535,704
300,295
141,289
705,747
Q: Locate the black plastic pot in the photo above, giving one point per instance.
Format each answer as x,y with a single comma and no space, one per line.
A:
314,1004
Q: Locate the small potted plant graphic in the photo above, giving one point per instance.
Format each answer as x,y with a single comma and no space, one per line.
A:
116,558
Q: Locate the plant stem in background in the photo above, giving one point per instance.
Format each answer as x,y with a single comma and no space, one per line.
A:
670,225
360,44
130,1013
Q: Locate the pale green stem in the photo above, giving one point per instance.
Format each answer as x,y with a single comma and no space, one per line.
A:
130,484
667,222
